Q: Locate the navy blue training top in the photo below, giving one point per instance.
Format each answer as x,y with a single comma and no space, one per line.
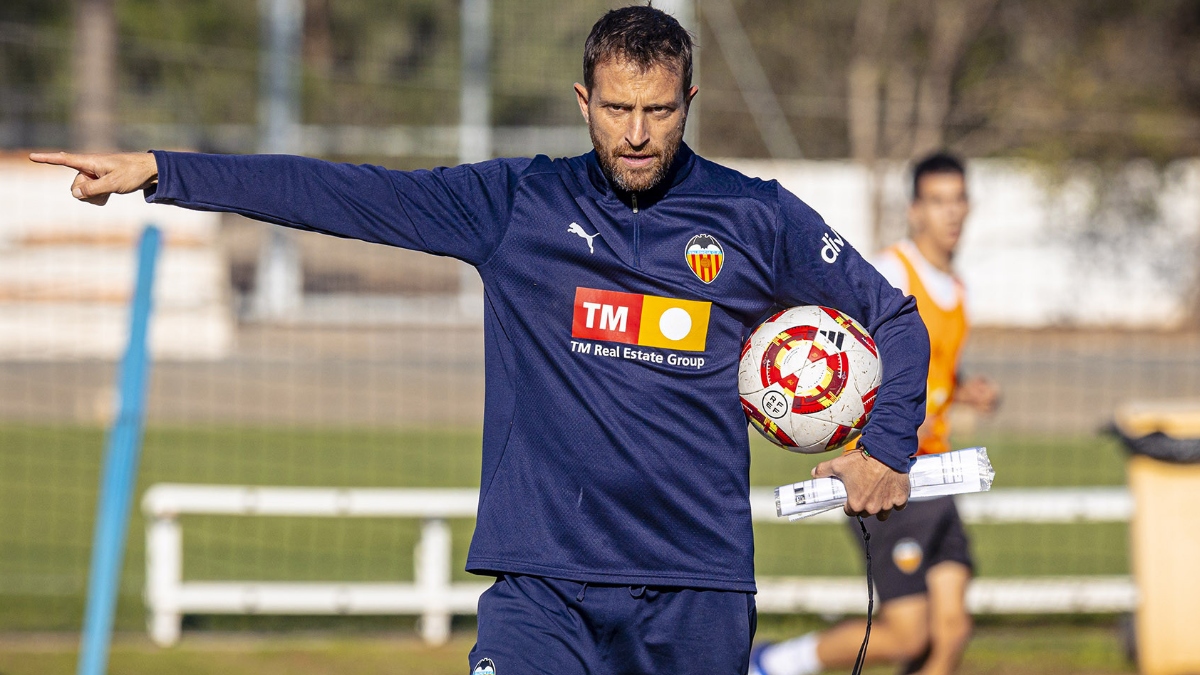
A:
615,449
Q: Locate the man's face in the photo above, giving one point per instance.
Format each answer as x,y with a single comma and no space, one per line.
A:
636,120
940,207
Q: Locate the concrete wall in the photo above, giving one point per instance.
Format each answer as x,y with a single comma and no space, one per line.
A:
67,271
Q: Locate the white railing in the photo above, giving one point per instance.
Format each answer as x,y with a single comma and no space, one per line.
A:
435,598
431,595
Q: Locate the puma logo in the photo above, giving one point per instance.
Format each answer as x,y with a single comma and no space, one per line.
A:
576,228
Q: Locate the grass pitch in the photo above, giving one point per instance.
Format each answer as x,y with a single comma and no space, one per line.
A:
49,474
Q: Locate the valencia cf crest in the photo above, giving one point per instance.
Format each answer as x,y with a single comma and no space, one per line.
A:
705,256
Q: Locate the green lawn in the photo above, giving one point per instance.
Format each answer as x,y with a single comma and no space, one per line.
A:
999,648
48,476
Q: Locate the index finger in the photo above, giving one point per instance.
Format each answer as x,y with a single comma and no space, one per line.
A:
77,162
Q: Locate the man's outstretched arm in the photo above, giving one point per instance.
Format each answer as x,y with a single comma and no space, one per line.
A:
460,211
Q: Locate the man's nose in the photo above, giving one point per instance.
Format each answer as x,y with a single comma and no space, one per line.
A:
637,133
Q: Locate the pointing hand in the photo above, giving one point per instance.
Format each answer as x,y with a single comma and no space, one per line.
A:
101,175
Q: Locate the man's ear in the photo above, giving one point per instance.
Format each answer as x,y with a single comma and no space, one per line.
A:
691,94
581,95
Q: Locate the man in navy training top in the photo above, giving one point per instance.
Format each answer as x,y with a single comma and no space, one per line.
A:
614,497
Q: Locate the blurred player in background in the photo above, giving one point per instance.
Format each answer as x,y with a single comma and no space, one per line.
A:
922,562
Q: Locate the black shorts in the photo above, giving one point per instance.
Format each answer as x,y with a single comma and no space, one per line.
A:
908,543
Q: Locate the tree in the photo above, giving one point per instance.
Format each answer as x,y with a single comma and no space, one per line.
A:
95,75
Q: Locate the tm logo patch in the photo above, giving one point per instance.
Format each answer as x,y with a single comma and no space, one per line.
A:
645,320
484,667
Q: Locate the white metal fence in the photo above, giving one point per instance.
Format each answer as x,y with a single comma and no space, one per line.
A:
435,598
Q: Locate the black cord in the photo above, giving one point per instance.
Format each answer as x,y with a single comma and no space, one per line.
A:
862,651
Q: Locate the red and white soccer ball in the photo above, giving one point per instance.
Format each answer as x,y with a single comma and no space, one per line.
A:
808,378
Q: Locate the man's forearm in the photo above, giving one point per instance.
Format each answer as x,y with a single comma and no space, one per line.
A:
358,202
903,342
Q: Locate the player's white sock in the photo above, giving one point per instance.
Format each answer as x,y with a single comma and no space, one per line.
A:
794,657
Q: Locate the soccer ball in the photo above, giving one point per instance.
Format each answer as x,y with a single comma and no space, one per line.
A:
808,378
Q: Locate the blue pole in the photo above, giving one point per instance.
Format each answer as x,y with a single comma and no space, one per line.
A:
119,473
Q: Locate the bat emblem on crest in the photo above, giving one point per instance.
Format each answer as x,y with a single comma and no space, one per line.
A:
705,256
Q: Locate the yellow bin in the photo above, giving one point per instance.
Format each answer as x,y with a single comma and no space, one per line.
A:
1165,537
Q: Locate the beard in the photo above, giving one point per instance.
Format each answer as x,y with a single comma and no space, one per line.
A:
630,179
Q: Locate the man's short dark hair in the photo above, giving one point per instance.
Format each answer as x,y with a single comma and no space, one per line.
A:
643,35
938,162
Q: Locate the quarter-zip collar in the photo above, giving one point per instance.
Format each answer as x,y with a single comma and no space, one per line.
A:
612,211
681,167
